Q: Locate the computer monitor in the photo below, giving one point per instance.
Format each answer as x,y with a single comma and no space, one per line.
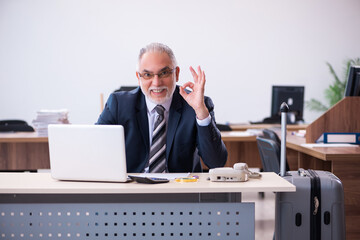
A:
353,83
293,96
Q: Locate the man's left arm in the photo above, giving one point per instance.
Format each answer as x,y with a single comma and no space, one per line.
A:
210,145
211,148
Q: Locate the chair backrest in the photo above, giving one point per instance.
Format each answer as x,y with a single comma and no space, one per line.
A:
269,153
126,88
270,134
223,127
15,126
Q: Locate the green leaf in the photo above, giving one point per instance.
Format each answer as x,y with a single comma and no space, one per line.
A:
316,105
335,91
333,72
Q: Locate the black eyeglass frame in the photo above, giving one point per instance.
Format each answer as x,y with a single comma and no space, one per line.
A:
166,73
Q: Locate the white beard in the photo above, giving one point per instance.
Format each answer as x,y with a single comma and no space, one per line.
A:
169,93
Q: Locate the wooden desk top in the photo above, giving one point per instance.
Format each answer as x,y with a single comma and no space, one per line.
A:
22,137
243,127
237,136
26,137
293,142
323,153
23,183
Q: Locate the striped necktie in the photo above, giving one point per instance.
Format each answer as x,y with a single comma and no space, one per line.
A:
157,158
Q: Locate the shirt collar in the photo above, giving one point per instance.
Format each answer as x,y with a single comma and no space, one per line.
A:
150,105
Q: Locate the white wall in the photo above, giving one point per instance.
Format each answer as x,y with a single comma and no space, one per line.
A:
64,53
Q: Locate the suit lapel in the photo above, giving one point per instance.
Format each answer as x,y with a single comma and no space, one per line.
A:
142,120
174,118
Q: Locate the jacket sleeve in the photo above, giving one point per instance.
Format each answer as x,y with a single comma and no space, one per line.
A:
108,116
211,148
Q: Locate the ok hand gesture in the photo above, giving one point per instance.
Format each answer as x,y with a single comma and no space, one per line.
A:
196,97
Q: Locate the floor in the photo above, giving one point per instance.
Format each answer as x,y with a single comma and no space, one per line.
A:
264,214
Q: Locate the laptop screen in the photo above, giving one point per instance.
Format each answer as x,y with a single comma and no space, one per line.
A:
87,152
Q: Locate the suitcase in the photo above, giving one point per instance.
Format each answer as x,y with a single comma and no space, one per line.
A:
316,210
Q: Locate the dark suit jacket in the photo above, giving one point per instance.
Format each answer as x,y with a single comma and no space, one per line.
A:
185,138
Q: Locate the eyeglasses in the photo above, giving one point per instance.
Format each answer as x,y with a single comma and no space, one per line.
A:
163,74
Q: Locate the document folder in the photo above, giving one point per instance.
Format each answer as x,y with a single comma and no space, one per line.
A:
353,138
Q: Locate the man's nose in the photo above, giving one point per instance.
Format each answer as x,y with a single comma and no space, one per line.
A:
156,80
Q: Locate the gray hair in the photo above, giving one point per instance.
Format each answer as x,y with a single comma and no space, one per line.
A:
157,47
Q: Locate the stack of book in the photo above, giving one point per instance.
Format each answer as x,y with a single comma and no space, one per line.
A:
46,117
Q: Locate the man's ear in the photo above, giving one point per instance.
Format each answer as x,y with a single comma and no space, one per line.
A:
177,72
138,77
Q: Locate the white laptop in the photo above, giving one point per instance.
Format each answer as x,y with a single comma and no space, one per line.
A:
87,152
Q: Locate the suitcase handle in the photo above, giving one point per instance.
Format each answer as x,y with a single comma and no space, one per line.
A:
284,109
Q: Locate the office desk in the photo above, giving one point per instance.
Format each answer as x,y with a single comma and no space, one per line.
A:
23,151
241,148
244,148
344,163
33,205
244,127
27,151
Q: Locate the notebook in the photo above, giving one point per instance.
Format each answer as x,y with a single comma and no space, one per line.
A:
87,152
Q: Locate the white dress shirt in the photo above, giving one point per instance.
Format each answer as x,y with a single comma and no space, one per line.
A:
152,115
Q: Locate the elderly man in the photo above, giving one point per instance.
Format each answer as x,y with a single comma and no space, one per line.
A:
166,127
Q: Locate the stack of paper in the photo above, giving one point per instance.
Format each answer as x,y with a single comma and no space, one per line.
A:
46,117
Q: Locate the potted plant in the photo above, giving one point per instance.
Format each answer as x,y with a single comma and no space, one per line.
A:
335,91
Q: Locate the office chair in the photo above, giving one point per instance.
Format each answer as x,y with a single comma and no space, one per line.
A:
223,127
15,126
269,154
270,134
122,88
126,88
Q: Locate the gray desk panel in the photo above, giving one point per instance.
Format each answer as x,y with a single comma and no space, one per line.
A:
121,198
227,220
